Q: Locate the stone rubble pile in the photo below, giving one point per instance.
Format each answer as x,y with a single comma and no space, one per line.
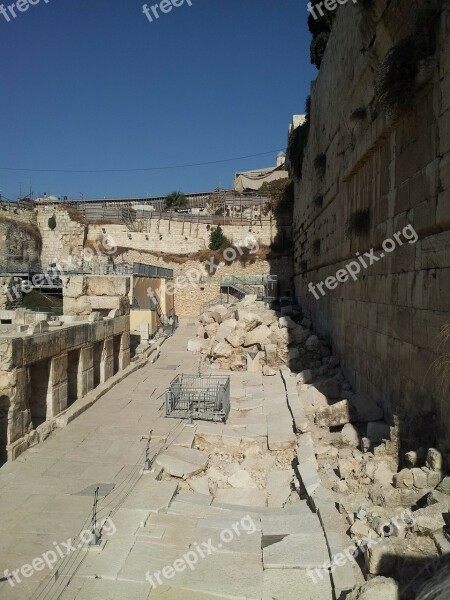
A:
249,336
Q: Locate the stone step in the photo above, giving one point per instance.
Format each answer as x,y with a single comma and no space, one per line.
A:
297,551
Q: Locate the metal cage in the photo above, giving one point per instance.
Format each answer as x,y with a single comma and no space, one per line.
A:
199,397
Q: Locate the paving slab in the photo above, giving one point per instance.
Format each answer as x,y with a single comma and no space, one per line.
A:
183,462
241,497
279,487
294,584
297,551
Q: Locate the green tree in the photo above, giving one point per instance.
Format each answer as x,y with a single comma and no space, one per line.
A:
218,240
176,200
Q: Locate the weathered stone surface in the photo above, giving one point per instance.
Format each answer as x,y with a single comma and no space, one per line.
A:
236,338
312,344
195,345
182,462
434,460
225,329
334,415
305,376
430,519
268,371
404,479
330,388
260,336
366,409
211,329
222,350
378,588
350,435
286,322
296,551
242,479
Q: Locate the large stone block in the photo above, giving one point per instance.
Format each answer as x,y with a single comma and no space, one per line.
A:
107,286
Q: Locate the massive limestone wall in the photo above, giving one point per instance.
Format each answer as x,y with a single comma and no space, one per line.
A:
20,239
385,325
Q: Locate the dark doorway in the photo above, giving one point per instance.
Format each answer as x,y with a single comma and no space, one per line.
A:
73,366
116,352
4,408
98,351
39,383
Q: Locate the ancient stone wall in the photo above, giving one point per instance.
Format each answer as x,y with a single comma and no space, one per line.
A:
63,237
174,237
360,161
20,239
191,293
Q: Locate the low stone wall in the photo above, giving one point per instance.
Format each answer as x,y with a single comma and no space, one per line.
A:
43,370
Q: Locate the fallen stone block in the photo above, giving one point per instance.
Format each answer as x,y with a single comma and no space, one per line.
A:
404,479
430,519
336,414
278,487
375,589
434,460
305,376
182,462
350,435
366,409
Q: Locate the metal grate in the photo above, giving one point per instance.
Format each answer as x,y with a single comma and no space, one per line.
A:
199,397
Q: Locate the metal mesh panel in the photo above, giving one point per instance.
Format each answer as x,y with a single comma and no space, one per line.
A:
199,397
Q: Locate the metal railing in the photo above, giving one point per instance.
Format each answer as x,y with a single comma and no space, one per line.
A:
199,397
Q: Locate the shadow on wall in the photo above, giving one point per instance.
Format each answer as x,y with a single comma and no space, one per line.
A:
4,409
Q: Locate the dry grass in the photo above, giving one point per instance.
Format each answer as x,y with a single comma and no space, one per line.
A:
263,253
74,214
30,228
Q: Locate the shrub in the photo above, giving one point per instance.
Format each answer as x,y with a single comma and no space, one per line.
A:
395,86
320,30
218,240
359,114
320,164
176,200
318,201
298,141
281,195
358,223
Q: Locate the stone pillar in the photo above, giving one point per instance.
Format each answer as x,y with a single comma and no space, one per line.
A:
57,387
86,372
107,364
124,354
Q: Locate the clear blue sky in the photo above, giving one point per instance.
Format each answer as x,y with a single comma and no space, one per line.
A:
92,84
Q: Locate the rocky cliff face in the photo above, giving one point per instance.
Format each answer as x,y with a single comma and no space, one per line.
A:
376,168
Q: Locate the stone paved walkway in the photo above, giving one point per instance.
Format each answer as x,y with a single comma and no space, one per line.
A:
46,497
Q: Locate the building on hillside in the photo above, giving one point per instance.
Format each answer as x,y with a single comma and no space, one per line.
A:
251,181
